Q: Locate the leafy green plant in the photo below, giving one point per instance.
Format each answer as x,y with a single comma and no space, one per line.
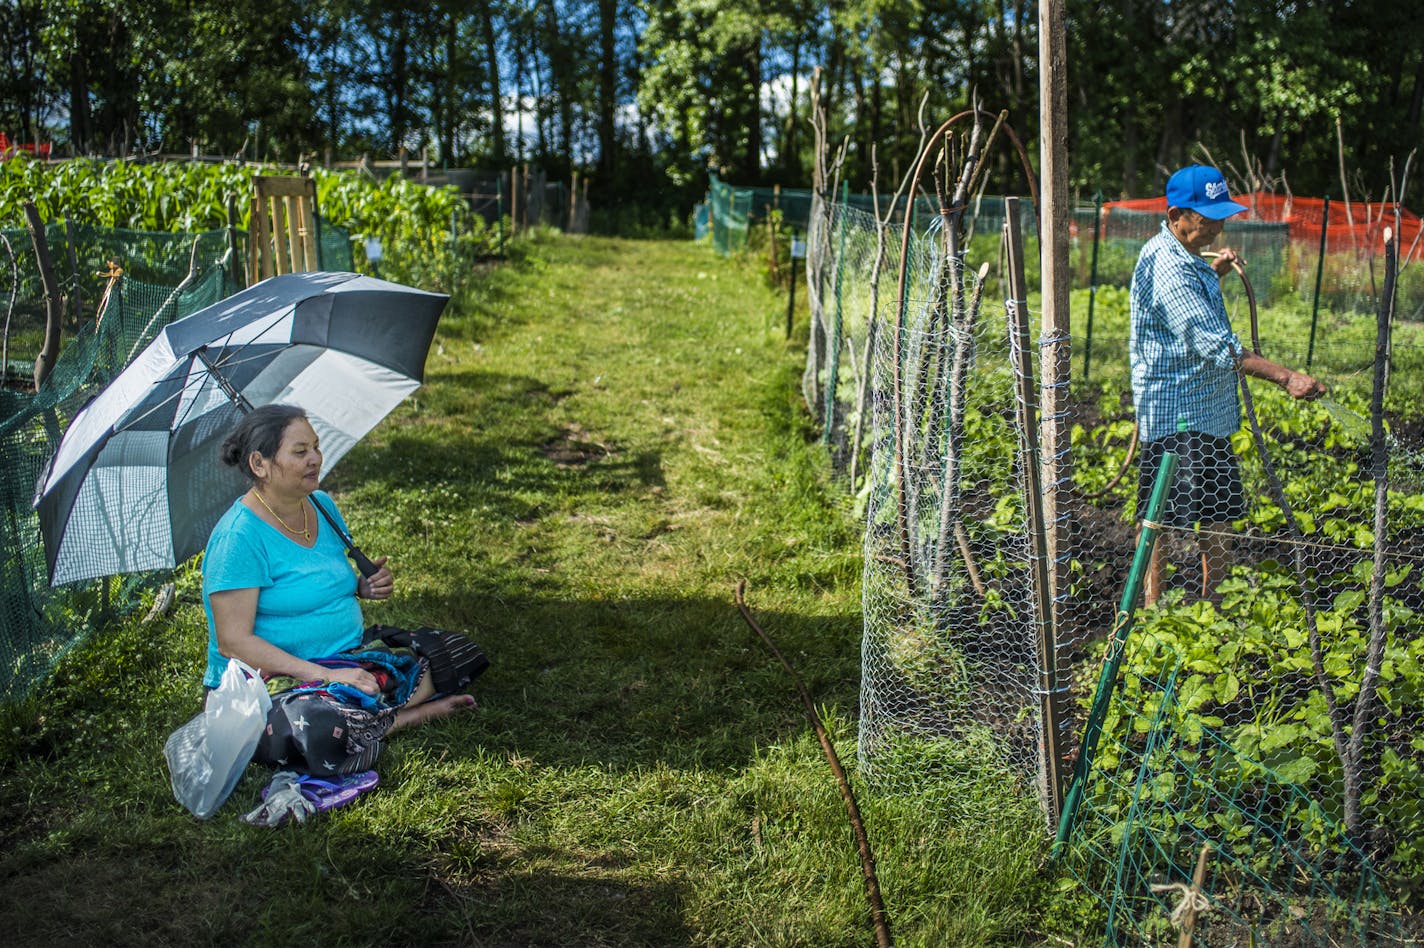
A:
1244,674
429,235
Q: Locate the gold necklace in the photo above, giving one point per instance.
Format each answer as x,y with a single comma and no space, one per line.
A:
305,533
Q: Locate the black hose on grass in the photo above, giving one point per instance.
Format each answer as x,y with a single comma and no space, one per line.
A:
867,859
1122,471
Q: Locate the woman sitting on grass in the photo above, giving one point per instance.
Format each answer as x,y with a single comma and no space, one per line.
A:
281,596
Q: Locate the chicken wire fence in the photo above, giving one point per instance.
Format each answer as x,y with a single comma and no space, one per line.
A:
120,288
949,664
1268,703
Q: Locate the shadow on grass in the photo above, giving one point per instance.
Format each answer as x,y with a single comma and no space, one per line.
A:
549,458
299,887
636,683
577,677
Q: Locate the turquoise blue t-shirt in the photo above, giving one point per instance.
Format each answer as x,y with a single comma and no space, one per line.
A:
306,600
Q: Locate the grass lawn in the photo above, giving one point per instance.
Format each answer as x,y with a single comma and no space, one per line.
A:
610,437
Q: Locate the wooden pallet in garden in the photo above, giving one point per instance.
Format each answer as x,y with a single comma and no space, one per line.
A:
282,233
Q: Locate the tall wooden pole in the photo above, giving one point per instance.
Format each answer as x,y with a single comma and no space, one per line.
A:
573,200
514,200
524,198
791,287
1055,351
1036,494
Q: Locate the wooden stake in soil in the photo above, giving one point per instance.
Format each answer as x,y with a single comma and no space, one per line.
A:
1193,902
514,200
1194,898
772,263
791,292
525,198
573,200
1050,782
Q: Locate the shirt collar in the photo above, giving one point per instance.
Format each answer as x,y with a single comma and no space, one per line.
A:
1179,248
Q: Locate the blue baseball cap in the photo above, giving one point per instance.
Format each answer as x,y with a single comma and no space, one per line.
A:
1202,188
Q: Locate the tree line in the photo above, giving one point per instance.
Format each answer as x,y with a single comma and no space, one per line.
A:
647,95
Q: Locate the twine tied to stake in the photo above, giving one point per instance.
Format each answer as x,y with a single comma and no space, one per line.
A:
1192,903
114,272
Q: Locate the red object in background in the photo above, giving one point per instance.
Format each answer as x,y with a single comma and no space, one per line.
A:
8,148
1360,229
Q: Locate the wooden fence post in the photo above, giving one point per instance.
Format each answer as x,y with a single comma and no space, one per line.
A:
1020,343
524,204
573,200
76,296
514,200
1055,352
54,305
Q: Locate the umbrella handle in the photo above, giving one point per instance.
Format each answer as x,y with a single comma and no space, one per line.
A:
363,563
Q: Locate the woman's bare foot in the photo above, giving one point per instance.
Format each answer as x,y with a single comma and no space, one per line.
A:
430,710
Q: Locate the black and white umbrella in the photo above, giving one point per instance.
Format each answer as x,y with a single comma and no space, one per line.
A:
136,483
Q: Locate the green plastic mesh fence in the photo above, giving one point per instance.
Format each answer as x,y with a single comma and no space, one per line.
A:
730,212
729,209
1268,646
334,248
165,276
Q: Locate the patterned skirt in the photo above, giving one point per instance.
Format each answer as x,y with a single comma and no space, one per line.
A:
328,728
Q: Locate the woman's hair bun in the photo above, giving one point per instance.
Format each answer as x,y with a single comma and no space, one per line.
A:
259,430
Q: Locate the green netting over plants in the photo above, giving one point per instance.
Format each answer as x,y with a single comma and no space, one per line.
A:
1278,869
165,276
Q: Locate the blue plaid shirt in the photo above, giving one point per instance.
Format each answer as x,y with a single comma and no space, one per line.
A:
1183,350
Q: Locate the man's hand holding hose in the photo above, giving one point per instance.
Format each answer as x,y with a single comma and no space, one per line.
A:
1296,384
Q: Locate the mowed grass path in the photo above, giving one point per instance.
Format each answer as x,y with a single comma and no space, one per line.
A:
610,437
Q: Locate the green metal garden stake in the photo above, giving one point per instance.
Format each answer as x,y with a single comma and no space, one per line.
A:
1093,283
1122,626
835,362
1319,271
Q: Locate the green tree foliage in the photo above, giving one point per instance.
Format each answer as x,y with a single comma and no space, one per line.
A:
239,67
23,95
647,95
1260,84
170,75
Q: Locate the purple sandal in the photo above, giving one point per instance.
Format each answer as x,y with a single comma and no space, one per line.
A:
328,793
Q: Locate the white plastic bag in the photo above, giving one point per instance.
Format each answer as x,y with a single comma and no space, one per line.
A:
207,755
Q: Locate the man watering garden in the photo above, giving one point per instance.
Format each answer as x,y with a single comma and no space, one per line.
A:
1185,359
